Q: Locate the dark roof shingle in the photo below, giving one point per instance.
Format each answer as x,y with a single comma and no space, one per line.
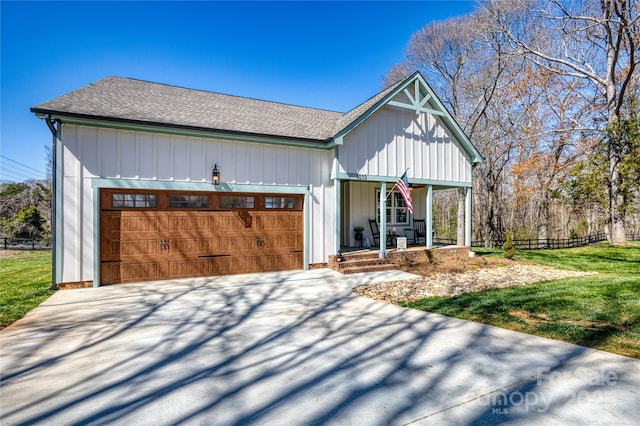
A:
141,101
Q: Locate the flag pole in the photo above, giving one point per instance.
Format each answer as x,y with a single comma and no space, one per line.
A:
389,193
393,187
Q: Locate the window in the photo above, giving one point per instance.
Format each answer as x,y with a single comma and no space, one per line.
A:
235,202
189,201
134,201
397,212
279,203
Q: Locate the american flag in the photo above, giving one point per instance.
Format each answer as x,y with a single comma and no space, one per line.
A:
403,186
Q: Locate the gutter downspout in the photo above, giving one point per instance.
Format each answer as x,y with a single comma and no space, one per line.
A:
51,124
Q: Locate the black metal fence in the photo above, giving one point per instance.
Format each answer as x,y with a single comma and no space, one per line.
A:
25,243
529,244
536,244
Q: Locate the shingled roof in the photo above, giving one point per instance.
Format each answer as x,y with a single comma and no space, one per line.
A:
137,101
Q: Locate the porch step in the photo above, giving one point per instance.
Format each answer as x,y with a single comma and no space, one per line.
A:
354,263
368,268
361,255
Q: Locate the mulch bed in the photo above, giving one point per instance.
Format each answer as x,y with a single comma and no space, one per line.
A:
457,276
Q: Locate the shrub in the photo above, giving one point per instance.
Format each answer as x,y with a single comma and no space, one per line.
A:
28,223
509,249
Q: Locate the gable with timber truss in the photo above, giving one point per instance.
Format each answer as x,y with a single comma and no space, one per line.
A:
415,97
409,128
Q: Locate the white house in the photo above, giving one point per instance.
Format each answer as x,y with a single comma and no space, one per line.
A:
158,182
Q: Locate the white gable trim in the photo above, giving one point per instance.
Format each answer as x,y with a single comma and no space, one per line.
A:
416,107
415,103
421,88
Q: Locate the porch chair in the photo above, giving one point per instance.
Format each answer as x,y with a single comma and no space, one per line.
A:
419,231
375,232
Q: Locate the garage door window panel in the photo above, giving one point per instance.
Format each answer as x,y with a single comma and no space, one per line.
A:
288,203
188,201
237,202
133,201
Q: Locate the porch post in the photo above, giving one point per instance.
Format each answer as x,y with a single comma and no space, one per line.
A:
383,220
336,201
336,215
467,219
429,218
306,223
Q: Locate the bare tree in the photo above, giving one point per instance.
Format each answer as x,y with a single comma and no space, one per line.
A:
551,141
534,83
466,66
592,40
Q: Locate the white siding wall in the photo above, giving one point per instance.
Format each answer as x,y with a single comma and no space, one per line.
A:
394,139
90,152
360,198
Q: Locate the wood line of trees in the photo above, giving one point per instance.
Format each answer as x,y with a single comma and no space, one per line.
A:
549,92
25,207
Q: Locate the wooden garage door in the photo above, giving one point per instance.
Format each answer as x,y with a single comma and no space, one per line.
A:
147,235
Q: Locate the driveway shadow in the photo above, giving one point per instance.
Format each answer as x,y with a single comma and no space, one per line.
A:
290,348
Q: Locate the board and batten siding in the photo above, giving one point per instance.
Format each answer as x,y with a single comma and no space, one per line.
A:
91,152
395,139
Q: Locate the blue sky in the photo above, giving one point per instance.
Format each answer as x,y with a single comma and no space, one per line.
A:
329,55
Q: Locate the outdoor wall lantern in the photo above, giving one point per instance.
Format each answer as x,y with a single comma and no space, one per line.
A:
215,175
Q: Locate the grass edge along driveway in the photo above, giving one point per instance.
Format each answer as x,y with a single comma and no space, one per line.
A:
25,278
599,311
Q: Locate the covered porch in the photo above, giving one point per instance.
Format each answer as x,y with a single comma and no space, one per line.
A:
373,215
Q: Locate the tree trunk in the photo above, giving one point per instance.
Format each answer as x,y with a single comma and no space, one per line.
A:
616,199
493,230
543,227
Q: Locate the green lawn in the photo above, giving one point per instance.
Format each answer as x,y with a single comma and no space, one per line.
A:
600,311
25,278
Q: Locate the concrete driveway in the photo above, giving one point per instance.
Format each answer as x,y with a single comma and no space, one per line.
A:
292,348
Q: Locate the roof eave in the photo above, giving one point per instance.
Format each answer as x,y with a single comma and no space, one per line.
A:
176,129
